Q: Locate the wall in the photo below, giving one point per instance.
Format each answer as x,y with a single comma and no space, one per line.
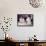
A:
10,8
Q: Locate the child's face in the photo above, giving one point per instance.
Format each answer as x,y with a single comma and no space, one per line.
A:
21,20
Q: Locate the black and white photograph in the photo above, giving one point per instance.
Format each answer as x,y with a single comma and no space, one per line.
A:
24,19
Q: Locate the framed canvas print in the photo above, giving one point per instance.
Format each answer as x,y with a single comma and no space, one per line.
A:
24,19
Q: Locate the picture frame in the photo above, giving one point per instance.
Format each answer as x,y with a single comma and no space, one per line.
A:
24,19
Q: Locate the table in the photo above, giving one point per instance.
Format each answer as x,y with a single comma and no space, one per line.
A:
27,42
